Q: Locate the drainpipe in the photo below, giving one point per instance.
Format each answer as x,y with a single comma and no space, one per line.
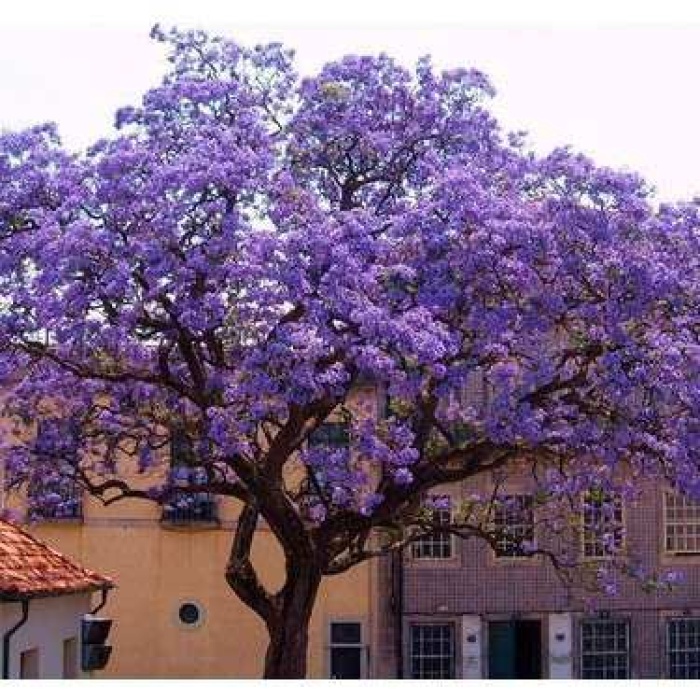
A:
398,584
103,602
8,636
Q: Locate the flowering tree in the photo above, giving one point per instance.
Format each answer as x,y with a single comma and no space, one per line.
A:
250,248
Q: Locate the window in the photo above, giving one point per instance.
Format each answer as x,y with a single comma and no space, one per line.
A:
29,664
681,524
604,649
331,443
52,492
54,497
331,434
70,658
602,524
683,643
184,506
346,650
471,399
514,525
436,545
475,391
432,650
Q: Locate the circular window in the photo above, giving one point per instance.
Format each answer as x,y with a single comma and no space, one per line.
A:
190,614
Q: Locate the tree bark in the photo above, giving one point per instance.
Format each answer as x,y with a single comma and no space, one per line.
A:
289,627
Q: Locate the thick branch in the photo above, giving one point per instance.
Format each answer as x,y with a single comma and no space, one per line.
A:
240,573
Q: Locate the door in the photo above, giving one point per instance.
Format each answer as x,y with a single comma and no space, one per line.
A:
515,649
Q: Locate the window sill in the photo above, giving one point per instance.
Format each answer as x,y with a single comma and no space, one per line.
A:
190,525
57,521
504,562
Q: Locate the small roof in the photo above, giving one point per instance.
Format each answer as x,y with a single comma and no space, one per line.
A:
31,569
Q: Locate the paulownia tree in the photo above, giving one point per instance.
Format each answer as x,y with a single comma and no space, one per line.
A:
250,247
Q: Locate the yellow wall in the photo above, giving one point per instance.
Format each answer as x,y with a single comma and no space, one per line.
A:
156,569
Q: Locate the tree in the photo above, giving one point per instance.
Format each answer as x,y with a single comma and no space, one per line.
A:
250,248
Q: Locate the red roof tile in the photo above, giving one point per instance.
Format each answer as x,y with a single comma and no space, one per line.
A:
29,568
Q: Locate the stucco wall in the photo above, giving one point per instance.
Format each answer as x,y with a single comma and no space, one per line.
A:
156,569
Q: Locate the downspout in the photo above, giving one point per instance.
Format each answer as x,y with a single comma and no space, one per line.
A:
8,636
398,585
103,602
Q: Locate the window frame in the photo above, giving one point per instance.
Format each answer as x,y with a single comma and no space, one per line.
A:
70,659
69,486
676,552
29,664
669,651
430,538
412,658
361,646
519,556
174,514
71,489
344,419
620,505
189,626
627,652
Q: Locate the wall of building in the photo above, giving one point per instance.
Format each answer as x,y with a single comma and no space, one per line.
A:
157,568
50,622
475,587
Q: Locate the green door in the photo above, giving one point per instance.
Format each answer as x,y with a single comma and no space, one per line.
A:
502,649
515,649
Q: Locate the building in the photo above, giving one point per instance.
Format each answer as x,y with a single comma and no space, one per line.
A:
175,616
446,608
458,609
43,598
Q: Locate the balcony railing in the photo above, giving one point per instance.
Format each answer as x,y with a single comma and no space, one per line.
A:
57,500
183,508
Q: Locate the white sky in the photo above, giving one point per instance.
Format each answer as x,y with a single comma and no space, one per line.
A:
616,80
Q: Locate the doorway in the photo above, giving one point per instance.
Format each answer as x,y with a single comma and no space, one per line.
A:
515,649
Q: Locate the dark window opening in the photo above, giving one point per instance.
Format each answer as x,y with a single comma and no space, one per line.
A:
331,434
53,492
346,650
184,506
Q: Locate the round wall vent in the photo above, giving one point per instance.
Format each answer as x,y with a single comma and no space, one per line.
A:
190,614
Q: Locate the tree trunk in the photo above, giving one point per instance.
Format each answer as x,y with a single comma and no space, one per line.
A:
289,628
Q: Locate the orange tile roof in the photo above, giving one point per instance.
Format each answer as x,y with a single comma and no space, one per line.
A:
30,569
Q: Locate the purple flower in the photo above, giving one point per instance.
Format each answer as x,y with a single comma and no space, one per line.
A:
403,477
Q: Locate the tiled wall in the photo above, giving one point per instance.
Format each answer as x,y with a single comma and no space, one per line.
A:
474,582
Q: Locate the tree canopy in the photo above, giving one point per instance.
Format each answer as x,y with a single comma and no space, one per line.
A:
251,247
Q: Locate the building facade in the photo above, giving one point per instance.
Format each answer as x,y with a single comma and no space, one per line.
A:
174,614
460,609
445,608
